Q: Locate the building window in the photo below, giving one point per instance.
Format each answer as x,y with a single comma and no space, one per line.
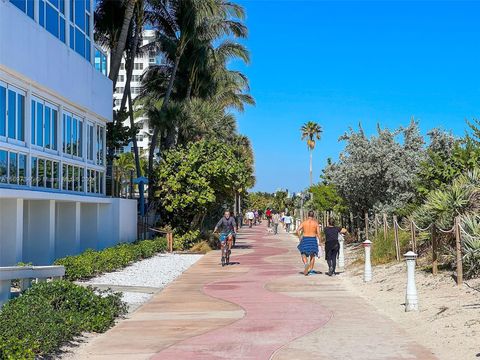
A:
90,143
135,90
80,32
72,178
44,124
139,137
121,78
12,113
138,66
45,173
100,148
118,102
27,6
13,168
100,61
119,89
95,181
72,134
52,17
122,66
136,78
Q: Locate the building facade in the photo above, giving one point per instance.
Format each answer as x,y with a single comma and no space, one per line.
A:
141,65
55,101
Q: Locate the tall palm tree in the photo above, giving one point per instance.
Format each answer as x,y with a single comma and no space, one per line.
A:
311,131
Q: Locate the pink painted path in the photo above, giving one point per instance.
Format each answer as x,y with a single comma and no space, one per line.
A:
261,307
271,320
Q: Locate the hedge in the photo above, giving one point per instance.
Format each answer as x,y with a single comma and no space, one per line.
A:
50,314
92,263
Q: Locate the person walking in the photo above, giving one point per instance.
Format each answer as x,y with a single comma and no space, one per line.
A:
332,245
275,222
288,222
309,230
268,215
250,218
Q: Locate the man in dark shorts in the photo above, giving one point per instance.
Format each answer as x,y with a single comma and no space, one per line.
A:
332,245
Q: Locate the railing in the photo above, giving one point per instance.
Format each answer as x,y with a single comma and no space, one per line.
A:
26,275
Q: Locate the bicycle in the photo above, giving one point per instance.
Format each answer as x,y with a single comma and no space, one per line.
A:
226,246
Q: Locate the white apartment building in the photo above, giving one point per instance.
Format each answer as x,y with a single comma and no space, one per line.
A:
141,65
55,101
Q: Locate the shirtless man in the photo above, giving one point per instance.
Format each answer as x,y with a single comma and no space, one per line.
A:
308,246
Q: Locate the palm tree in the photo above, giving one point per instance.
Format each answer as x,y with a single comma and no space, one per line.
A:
311,132
124,165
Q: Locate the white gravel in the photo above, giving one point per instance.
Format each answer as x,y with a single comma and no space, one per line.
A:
156,272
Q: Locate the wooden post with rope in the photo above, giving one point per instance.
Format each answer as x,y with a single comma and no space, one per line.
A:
397,240
170,241
434,250
458,242
413,236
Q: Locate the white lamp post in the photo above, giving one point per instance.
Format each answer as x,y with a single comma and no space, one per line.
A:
367,274
341,254
411,297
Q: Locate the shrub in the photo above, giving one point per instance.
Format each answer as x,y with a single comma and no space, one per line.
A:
202,247
384,251
50,314
186,240
92,263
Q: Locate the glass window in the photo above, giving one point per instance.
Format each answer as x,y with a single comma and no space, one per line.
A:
52,20
41,172
41,17
72,38
47,127
62,6
80,13
90,141
75,137
34,172
56,175
33,111
22,169
87,5
72,10
79,42
65,177
20,117
39,124
80,138
3,167
21,4
54,128
69,136
12,175
62,29
70,178
49,174
12,105
3,111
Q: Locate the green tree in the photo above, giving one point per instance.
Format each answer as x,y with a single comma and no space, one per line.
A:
311,132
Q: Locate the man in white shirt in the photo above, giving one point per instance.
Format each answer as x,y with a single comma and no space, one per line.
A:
250,218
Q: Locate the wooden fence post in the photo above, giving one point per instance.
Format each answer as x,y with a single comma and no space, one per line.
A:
170,241
397,240
413,236
458,241
366,225
434,250
385,227
375,222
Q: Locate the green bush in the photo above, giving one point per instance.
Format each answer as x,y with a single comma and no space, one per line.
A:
384,251
92,263
186,241
50,314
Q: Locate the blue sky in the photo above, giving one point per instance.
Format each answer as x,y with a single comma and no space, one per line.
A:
340,63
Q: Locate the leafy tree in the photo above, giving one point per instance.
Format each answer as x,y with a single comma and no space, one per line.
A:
197,179
326,198
378,172
311,132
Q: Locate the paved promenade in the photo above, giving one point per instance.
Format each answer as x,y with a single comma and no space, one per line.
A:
260,307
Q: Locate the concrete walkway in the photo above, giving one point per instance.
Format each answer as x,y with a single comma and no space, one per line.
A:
260,307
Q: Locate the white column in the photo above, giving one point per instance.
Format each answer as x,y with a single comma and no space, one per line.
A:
367,275
341,253
36,12
411,297
11,236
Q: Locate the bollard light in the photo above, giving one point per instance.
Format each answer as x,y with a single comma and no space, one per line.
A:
367,273
341,253
411,297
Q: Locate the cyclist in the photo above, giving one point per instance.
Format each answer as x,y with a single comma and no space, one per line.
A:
227,226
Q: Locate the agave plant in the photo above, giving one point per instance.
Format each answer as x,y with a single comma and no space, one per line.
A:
471,245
